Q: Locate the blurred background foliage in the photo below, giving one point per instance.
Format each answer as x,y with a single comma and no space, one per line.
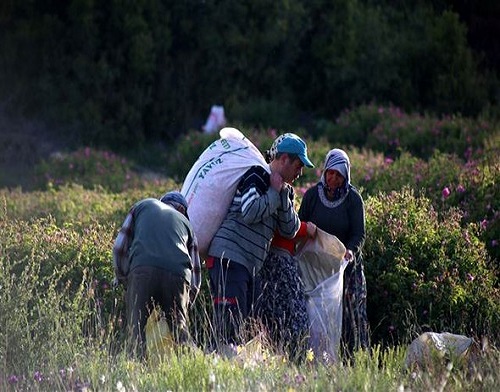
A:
122,74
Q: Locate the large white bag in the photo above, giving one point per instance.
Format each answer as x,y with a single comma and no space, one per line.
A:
320,258
322,264
431,345
211,183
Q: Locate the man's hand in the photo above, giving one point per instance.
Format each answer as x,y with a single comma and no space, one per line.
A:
276,181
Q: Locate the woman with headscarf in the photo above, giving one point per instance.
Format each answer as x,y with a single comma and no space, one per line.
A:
336,206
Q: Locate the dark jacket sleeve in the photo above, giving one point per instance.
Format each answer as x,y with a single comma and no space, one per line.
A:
357,216
258,199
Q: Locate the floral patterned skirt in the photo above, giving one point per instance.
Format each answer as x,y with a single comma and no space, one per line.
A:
355,327
282,306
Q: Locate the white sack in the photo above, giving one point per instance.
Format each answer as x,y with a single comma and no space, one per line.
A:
430,345
211,183
216,119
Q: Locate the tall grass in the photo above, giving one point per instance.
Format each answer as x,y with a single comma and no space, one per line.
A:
62,324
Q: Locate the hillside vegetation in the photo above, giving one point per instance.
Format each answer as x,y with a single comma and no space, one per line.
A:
432,253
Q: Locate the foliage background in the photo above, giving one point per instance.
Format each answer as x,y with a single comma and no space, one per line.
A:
120,74
120,89
433,220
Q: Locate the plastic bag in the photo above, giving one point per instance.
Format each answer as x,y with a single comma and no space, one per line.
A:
322,264
430,345
320,258
324,308
216,119
210,185
159,339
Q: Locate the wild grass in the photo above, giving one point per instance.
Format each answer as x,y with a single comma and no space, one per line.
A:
62,324
432,261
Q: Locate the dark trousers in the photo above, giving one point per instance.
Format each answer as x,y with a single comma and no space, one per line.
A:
151,286
234,293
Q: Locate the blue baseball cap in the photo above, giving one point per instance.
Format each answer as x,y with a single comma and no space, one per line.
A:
290,143
175,197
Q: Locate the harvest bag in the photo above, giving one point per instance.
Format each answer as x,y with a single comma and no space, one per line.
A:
322,264
319,258
210,185
430,345
324,309
159,339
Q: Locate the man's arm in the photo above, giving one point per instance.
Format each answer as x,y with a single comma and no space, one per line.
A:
258,199
196,269
288,220
121,261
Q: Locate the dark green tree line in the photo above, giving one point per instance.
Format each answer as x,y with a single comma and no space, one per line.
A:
122,72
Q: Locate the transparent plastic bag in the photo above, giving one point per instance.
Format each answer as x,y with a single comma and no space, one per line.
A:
322,264
320,258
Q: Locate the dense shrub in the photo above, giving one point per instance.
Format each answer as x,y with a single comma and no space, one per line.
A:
122,74
422,134
412,56
351,127
425,271
54,289
88,167
390,130
68,205
448,182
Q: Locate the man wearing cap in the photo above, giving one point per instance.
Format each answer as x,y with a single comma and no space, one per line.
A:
156,257
261,205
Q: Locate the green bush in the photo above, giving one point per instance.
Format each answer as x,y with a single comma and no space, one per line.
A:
186,151
448,182
422,135
351,127
390,130
88,167
424,270
54,290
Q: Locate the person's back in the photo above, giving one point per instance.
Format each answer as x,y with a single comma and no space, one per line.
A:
156,257
161,237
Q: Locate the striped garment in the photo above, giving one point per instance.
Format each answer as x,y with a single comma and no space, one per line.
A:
255,213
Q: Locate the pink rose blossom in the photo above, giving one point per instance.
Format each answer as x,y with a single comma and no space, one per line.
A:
446,192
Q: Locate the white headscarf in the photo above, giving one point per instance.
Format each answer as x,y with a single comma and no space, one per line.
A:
336,159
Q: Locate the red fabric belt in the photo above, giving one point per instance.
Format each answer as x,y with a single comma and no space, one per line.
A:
225,301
